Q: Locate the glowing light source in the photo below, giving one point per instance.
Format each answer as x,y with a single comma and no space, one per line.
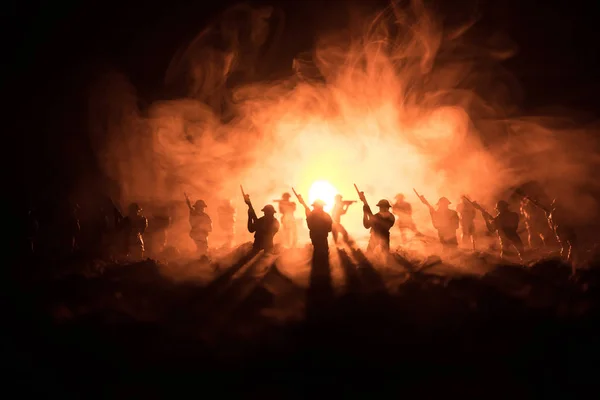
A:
322,190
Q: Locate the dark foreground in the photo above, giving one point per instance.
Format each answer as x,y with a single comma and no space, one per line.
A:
127,331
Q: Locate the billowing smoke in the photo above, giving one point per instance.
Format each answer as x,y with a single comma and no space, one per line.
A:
394,102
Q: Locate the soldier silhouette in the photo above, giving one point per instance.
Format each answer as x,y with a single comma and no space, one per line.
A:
134,227
536,224
319,225
403,212
467,213
264,228
505,223
339,208
201,225
380,225
288,221
445,221
557,217
226,214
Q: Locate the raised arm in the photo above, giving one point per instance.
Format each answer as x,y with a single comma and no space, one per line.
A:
367,217
251,221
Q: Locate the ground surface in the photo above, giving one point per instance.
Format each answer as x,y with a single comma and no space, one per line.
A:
278,327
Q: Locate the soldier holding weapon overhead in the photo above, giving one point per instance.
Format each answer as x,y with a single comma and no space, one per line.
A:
264,228
505,223
379,223
444,220
201,226
319,225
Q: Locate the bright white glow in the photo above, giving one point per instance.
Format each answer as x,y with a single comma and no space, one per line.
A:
322,190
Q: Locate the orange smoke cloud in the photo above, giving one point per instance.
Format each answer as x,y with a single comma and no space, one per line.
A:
397,102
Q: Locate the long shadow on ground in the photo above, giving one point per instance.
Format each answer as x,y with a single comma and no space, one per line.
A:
463,336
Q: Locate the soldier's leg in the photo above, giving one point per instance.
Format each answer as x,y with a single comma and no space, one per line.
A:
201,247
345,236
335,232
472,238
464,235
403,234
372,243
503,249
385,246
530,234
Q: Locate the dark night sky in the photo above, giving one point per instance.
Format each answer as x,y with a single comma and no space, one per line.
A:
49,45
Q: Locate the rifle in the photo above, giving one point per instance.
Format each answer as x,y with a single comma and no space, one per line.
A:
478,207
487,217
301,201
535,202
248,203
423,200
348,202
361,196
187,200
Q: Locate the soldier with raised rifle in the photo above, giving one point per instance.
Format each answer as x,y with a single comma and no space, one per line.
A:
466,214
264,228
403,212
505,224
444,220
379,224
201,225
288,221
319,225
340,208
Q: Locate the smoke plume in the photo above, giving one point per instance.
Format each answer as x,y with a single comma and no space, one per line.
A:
393,102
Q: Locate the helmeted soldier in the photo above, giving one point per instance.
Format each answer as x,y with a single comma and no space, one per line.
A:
288,221
319,225
134,226
264,228
340,208
226,213
446,222
505,223
403,212
380,225
201,225
536,224
467,213
565,235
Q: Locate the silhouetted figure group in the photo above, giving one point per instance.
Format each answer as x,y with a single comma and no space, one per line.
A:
135,236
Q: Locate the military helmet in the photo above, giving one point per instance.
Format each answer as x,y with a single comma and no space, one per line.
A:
268,209
200,204
318,203
384,203
134,208
338,196
286,196
399,196
501,205
444,201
